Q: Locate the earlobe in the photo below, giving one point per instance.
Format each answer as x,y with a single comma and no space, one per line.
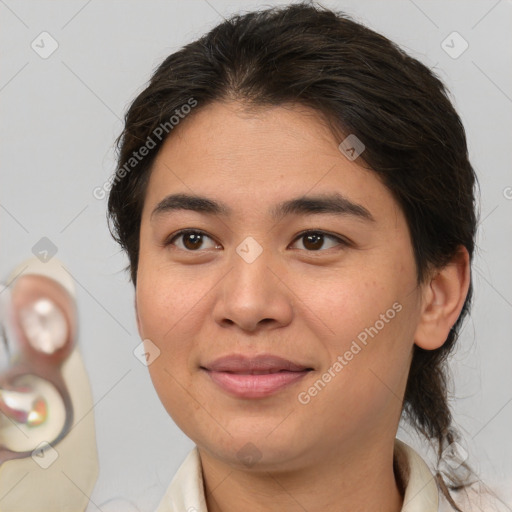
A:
443,300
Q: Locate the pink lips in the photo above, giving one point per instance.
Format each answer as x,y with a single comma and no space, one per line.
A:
254,377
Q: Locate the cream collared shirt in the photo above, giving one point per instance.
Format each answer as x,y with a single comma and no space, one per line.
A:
186,493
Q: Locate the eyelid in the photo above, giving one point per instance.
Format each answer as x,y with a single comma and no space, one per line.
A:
341,240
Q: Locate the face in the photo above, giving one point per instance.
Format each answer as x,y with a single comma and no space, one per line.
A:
328,284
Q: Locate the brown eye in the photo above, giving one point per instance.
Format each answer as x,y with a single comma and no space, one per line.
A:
192,240
314,240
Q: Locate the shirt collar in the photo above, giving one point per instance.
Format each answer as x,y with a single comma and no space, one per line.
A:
420,486
186,491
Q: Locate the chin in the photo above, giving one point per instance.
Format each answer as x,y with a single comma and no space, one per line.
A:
256,453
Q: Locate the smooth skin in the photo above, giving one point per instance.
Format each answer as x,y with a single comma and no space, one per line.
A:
197,299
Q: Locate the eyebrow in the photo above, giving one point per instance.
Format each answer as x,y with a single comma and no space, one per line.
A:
334,203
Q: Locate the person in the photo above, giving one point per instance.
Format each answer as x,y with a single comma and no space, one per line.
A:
294,195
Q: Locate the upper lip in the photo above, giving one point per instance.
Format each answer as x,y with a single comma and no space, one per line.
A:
238,363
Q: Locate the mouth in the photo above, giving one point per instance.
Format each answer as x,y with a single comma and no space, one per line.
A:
259,372
256,377
263,363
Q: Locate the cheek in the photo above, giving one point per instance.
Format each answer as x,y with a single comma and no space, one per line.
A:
166,312
371,317
350,304
168,303
171,314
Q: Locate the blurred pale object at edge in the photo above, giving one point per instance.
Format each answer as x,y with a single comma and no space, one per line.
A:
48,454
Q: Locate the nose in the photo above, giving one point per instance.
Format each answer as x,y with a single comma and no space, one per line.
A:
253,295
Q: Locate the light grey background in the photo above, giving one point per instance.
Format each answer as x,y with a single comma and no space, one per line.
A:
58,120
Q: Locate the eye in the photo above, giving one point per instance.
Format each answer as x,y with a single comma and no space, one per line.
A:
191,240
314,240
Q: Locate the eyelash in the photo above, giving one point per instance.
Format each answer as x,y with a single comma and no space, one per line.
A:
341,241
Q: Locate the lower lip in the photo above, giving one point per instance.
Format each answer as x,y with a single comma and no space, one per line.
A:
254,386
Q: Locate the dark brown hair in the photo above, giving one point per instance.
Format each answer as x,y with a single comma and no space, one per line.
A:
362,84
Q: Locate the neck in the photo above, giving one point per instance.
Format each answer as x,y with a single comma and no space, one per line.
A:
352,481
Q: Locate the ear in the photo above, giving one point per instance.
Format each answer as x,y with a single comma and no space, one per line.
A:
443,299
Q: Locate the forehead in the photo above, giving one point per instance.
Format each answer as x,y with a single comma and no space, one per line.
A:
256,160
